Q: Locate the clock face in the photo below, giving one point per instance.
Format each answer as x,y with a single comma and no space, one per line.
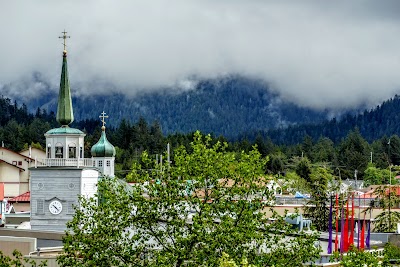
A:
55,207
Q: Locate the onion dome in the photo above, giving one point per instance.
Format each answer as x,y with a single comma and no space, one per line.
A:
103,148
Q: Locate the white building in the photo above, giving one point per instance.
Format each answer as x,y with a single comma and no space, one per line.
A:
59,179
14,169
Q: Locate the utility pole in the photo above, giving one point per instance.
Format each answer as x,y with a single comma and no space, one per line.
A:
355,178
390,186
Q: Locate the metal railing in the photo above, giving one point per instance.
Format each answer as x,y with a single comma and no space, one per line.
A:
358,202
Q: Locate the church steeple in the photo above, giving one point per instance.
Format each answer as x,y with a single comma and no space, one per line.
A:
103,152
103,148
65,114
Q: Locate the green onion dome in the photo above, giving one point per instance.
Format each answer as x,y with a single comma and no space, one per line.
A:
103,148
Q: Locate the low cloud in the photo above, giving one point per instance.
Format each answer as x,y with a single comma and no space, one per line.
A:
322,54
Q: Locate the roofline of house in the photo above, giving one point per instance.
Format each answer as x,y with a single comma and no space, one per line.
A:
12,165
16,153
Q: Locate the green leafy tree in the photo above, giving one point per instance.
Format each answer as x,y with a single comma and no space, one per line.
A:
394,149
18,261
35,130
376,176
307,146
294,183
226,261
303,169
391,254
386,199
316,208
276,163
324,151
207,202
356,258
13,135
379,149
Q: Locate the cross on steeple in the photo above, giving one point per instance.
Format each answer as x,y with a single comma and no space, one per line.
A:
65,38
103,117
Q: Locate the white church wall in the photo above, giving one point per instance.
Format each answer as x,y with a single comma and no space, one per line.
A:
89,181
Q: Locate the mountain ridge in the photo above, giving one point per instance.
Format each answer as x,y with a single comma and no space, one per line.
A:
227,107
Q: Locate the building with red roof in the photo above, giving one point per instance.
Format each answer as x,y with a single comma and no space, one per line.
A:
14,169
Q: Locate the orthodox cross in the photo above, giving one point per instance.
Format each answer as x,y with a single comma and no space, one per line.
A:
64,37
103,117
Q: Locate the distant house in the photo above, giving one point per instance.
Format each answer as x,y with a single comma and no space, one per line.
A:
18,210
21,203
351,184
14,172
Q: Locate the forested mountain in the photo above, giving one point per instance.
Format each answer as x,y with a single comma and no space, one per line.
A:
384,120
226,106
341,142
234,107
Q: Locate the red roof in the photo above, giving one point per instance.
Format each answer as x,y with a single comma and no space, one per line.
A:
395,189
25,197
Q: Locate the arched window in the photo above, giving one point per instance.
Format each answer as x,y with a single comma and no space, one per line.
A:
59,151
72,151
49,151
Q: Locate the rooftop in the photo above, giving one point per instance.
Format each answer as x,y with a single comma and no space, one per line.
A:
25,197
64,130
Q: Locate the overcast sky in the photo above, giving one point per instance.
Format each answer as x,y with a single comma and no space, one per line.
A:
315,53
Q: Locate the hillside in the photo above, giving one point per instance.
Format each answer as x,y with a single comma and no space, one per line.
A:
383,120
227,107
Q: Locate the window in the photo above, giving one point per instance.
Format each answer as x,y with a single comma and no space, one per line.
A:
49,151
39,206
100,163
72,151
108,163
81,152
19,163
70,208
14,163
94,163
59,151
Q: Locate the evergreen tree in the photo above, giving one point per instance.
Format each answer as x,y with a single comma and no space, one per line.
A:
354,154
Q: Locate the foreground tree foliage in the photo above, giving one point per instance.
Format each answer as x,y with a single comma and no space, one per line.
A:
17,260
206,203
355,258
226,261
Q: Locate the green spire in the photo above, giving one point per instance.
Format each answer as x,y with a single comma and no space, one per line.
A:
65,114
